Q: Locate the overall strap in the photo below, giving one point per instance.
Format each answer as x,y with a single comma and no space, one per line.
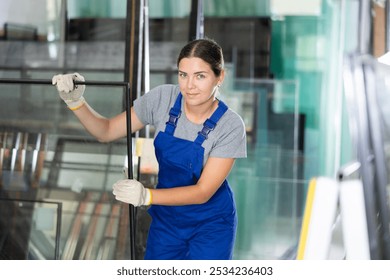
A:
174,115
210,123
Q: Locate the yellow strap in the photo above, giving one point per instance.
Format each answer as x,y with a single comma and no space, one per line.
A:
306,220
150,197
77,107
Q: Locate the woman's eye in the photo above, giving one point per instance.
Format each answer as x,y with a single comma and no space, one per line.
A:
200,76
182,75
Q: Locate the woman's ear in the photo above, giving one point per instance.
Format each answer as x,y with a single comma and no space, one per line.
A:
221,78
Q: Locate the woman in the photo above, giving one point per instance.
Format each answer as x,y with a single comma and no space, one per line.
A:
197,141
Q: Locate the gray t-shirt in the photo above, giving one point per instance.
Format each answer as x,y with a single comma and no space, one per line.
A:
227,140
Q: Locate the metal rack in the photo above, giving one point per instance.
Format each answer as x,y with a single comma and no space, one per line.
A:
128,101
361,82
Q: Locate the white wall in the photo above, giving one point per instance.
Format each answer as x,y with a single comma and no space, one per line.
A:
296,7
39,13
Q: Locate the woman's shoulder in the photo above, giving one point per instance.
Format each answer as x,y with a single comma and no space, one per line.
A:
232,118
163,95
230,137
166,89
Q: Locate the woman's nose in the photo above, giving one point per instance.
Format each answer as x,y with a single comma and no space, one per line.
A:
190,83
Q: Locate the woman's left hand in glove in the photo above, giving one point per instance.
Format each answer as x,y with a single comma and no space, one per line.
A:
132,192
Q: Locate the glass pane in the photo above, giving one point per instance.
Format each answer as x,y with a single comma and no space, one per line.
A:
50,156
268,184
45,153
29,229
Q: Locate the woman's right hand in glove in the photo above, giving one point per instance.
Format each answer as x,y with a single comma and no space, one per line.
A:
69,92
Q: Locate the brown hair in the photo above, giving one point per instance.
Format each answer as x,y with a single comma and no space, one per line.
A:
207,50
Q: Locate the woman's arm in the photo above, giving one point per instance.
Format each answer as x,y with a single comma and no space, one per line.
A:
104,129
214,173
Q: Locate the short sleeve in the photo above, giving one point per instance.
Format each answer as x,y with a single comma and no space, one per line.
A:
151,107
231,141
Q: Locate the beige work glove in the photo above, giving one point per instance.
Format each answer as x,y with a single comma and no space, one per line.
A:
132,192
69,92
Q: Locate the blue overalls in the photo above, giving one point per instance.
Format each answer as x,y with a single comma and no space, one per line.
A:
199,232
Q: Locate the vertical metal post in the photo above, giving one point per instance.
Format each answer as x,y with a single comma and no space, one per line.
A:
146,56
387,26
132,216
58,231
140,47
63,35
133,44
365,27
196,20
130,76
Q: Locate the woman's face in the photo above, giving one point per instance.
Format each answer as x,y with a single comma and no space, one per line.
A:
197,81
